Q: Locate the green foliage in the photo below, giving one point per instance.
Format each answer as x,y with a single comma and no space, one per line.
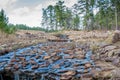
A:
4,27
76,22
99,14
90,14
3,20
59,17
25,27
9,30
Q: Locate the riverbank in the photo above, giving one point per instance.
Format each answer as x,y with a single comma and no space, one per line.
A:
21,39
103,44
24,38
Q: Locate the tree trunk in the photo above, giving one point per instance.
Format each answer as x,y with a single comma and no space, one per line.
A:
116,19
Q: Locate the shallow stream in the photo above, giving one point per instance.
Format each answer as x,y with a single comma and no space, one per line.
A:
33,63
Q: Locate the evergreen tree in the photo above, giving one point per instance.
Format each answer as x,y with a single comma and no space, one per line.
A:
4,26
3,20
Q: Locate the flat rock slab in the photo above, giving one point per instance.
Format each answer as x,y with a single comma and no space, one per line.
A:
106,69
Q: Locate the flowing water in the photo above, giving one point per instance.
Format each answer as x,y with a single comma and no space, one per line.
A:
30,64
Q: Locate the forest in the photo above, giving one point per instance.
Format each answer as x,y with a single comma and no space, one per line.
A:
85,14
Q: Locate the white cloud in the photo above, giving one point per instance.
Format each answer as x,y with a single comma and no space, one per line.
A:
31,16
38,7
48,2
6,3
25,16
70,3
21,11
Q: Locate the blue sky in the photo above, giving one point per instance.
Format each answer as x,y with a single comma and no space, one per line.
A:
28,12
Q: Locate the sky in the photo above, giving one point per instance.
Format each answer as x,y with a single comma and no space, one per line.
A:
28,12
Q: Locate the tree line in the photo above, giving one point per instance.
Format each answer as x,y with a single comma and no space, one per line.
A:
6,27
25,27
85,14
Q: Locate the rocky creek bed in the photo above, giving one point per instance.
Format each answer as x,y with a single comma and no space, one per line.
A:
49,61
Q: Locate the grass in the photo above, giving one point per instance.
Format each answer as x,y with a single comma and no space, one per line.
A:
14,42
94,47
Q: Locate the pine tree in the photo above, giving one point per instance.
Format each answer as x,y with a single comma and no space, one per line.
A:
3,20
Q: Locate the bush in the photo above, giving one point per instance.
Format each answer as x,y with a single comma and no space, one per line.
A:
9,30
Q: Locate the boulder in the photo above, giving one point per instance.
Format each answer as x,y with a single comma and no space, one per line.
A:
69,57
56,66
53,54
33,62
22,58
55,58
86,75
116,74
13,60
78,52
24,64
80,56
108,59
66,77
69,73
8,68
46,57
37,57
58,51
68,52
35,66
16,67
110,53
88,65
109,48
116,61
116,36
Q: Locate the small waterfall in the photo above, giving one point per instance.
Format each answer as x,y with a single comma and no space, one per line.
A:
29,78
52,67
42,77
1,77
23,77
16,76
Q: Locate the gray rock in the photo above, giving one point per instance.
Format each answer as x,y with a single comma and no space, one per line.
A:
108,48
116,36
